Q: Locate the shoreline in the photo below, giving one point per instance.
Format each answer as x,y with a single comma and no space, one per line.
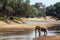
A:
48,18
23,26
16,26
57,37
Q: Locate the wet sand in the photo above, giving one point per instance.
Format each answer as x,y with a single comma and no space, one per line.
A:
47,38
22,26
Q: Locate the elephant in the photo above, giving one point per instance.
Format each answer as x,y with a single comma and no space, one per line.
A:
39,29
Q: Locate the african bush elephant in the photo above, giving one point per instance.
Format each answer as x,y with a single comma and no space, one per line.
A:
39,29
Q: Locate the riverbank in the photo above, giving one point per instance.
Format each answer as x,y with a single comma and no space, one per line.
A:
10,27
47,38
15,26
48,18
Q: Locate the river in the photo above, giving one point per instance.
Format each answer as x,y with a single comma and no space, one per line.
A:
23,35
39,22
26,35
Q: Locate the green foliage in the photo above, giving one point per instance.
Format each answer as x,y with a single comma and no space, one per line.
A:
17,18
54,10
2,18
57,4
41,8
22,8
17,8
10,9
0,6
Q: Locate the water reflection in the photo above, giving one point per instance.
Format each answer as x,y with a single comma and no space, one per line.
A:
19,35
22,35
20,38
39,22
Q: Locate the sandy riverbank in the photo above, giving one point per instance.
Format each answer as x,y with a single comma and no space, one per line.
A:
16,26
48,18
9,27
48,38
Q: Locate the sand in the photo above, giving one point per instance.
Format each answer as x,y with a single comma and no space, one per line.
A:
11,27
42,19
16,26
47,38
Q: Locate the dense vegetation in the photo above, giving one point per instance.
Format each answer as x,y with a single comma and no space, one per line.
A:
53,10
16,8
10,9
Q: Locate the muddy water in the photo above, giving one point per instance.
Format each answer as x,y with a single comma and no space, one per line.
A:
22,35
25,35
40,22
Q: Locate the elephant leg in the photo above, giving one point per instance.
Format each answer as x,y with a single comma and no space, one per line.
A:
35,32
39,32
45,33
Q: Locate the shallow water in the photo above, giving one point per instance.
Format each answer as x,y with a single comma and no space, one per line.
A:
39,22
22,35
28,34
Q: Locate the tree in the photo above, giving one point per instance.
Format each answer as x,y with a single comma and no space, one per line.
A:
33,12
57,9
41,8
3,7
53,10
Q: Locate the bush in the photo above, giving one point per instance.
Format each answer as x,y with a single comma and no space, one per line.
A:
2,18
17,18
